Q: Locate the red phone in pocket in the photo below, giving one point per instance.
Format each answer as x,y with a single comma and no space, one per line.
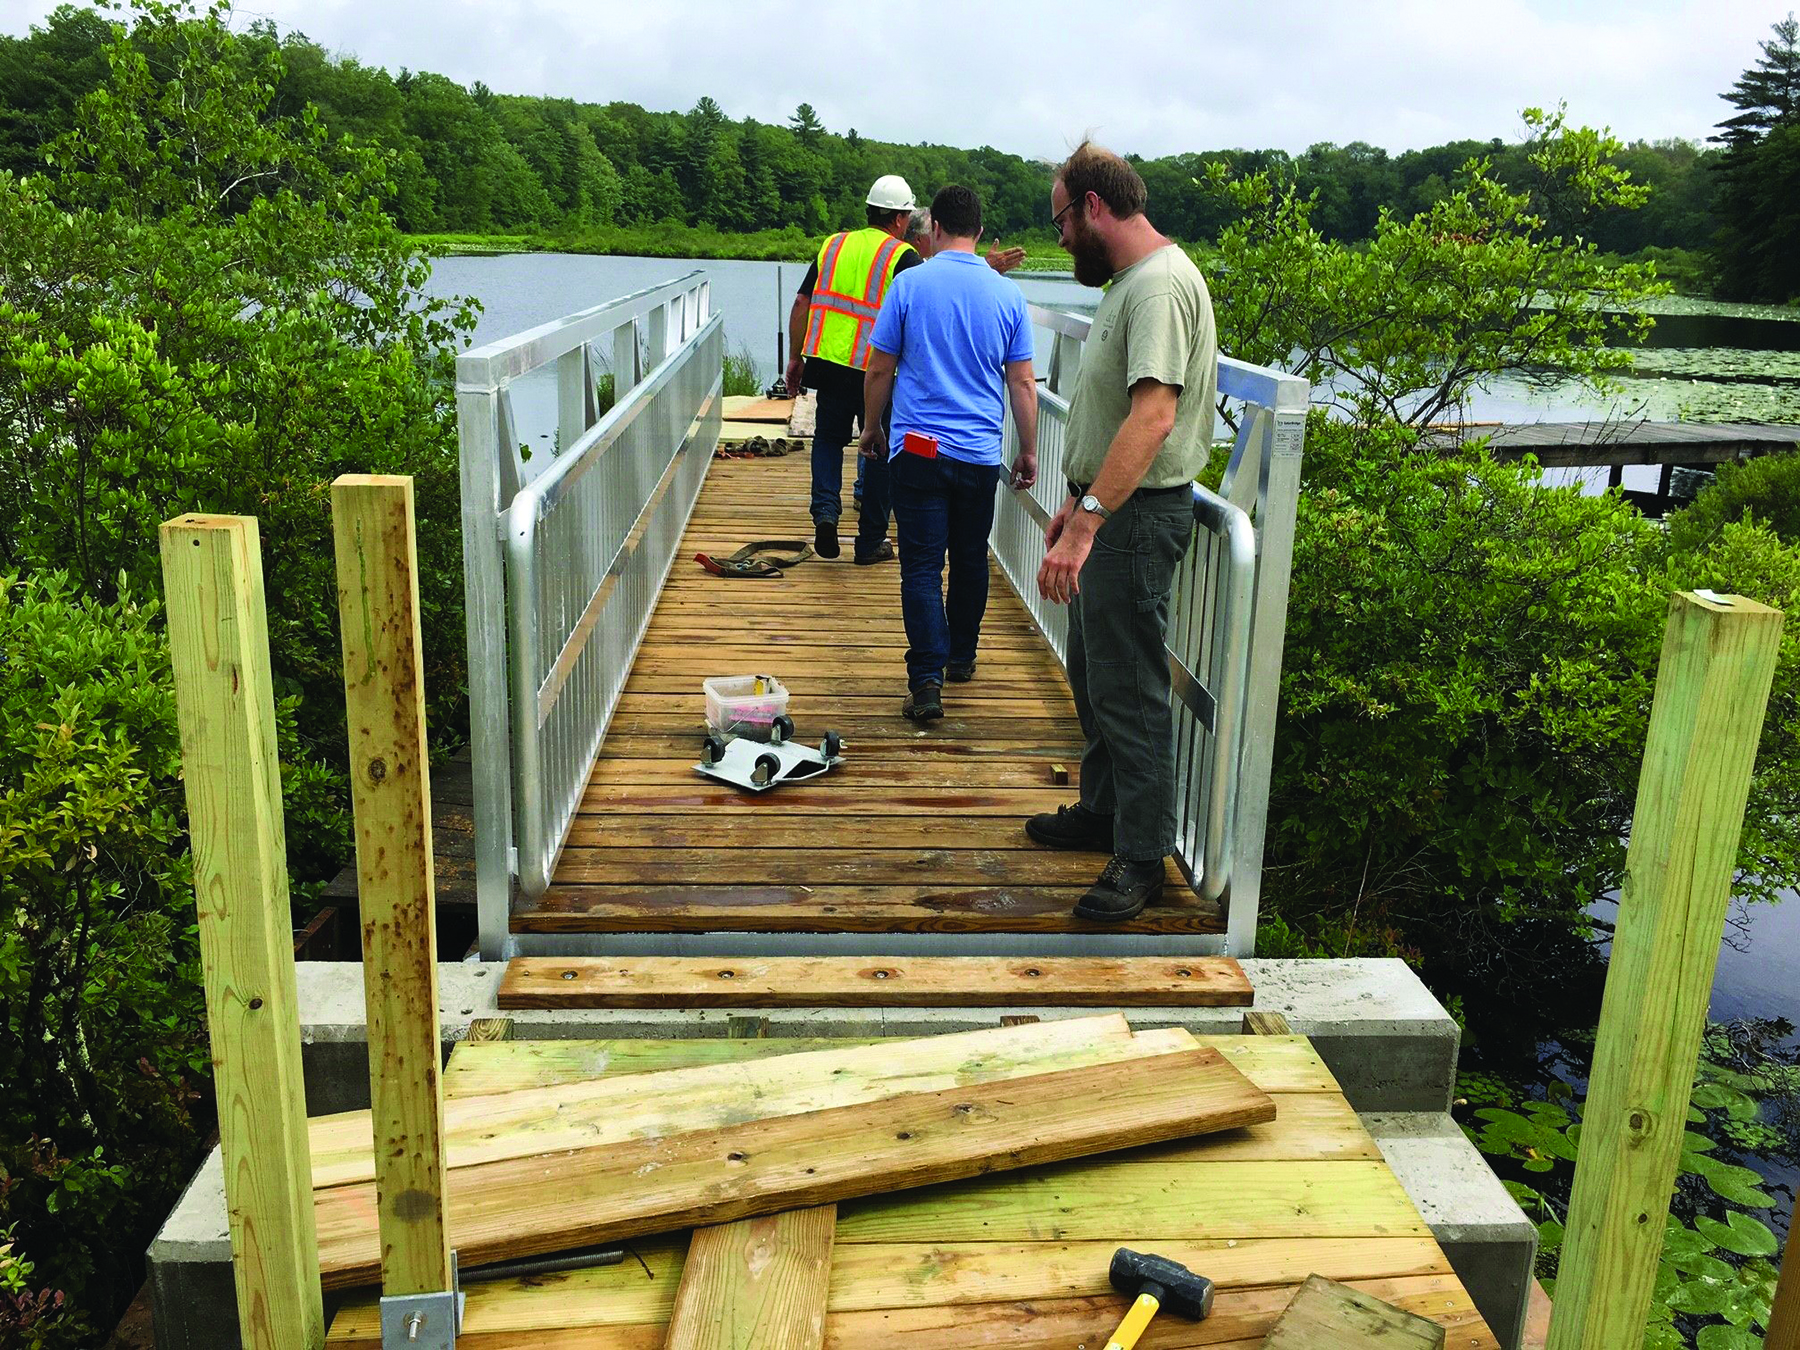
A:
915,443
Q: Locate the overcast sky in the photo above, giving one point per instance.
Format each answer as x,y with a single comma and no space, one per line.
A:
1144,75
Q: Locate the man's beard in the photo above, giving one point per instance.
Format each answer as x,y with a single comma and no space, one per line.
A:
1092,265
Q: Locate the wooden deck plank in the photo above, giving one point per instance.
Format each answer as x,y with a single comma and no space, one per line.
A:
1327,1315
521,1207
885,908
919,831
1275,1064
703,1097
855,982
830,867
870,1277
1203,1199
757,1284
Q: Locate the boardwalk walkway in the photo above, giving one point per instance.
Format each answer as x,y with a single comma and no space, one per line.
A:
919,831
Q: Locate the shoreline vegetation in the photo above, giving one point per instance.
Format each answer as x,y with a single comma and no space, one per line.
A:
1681,268
673,240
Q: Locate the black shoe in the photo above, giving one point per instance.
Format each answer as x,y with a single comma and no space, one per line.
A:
884,552
1072,827
1124,888
924,704
959,674
825,541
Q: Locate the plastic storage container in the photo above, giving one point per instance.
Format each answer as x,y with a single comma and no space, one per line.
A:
745,705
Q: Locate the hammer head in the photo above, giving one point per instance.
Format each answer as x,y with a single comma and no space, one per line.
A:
1181,1291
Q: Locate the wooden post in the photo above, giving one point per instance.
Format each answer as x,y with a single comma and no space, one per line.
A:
1784,1314
384,695
219,645
1712,687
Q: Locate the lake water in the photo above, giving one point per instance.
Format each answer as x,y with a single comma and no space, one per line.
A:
1758,974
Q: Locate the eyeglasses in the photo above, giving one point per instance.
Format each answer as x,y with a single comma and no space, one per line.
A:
1056,220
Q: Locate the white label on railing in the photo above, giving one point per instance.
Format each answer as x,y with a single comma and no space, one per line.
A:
1290,436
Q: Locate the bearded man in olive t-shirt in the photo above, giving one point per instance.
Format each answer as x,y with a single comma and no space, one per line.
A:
1139,432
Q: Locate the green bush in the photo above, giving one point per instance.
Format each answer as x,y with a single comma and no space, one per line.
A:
1767,488
203,308
1469,664
103,1059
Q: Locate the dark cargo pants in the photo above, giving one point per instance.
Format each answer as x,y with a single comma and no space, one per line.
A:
1119,672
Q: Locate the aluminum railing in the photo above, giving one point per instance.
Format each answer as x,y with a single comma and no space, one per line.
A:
1228,614
562,572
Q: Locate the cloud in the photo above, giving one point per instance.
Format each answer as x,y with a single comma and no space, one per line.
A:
1154,77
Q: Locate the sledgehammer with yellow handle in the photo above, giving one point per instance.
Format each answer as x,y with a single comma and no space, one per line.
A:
1156,1283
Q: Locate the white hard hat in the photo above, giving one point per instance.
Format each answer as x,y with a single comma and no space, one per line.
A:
891,192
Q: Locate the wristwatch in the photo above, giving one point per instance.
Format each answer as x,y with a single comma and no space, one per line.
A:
1090,502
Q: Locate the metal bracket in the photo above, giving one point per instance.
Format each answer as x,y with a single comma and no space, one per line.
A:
423,1321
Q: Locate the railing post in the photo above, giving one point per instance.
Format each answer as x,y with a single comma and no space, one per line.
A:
1277,506
624,360
572,397
1712,686
657,325
219,646
484,606
384,697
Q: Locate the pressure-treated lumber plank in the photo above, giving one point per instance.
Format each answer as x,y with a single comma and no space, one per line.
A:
384,698
1244,1307
1184,1199
524,1206
225,708
579,1114
1712,685
1326,1315
757,1284
945,1276
1281,1064
1240,1318
878,981
869,1276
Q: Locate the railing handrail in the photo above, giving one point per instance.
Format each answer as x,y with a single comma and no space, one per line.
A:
1275,389
571,463
486,368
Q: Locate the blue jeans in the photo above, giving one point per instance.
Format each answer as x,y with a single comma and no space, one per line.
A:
839,415
942,506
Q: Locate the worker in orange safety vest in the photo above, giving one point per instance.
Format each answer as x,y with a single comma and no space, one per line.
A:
828,332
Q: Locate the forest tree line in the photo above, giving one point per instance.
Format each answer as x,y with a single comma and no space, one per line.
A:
470,160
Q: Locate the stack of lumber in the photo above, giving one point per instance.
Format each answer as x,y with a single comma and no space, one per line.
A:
1015,1258
547,1169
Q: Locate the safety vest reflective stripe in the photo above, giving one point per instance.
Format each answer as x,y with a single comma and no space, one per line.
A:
876,286
839,304
843,308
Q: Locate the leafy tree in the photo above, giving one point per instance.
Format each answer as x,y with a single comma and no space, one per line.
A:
42,77
806,125
1768,94
1758,242
1489,280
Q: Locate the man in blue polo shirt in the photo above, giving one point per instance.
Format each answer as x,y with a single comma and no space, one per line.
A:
952,345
